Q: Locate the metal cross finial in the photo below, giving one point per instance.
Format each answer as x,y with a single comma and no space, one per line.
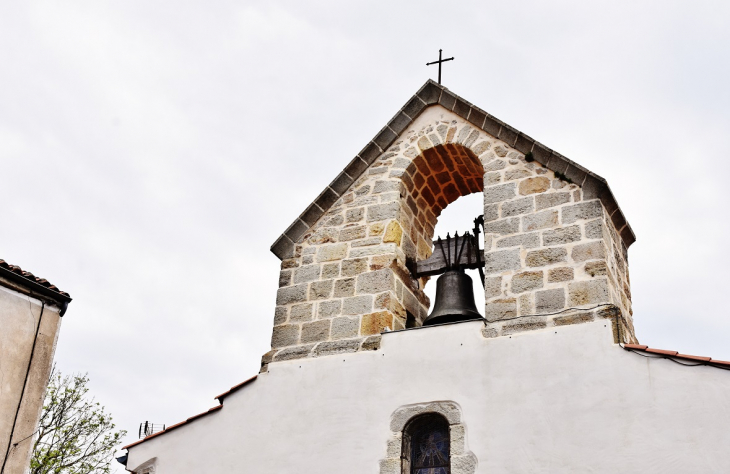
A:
439,63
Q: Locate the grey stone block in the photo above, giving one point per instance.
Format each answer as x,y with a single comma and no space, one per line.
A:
414,106
386,186
500,193
285,335
337,347
320,290
503,226
525,304
354,266
372,343
291,294
583,210
352,233
513,174
365,242
492,287
330,270
325,200
283,247
522,325
311,214
290,353
574,318
508,135
329,309
400,122
301,312
589,251
500,309
341,183
596,268
594,229
280,315
357,305
381,212
544,201
490,179
526,281
375,282
527,241
355,215
548,301
307,273
476,116
370,153
285,278
564,235
539,258
588,292
462,108
447,100
491,212
344,327
500,260
496,165
316,331
524,143
560,274
296,230
385,249
540,220
518,206
344,287
489,333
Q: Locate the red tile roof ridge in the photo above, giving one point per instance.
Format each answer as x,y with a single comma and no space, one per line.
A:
672,355
199,415
235,388
28,275
172,427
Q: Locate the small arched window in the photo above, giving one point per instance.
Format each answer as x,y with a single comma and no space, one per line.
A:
426,445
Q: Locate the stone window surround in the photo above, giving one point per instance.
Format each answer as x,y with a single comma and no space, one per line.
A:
463,461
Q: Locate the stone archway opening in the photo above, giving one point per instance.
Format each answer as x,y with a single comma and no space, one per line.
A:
435,179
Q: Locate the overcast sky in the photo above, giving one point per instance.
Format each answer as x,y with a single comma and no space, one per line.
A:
152,152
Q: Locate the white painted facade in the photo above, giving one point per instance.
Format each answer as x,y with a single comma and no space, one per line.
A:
559,399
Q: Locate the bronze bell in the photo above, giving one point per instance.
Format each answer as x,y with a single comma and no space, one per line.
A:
454,299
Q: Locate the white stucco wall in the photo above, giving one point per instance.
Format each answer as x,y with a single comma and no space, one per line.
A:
555,400
22,381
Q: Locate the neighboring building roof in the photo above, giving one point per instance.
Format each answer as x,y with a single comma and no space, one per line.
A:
432,93
220,398
172,427
675,356
35,286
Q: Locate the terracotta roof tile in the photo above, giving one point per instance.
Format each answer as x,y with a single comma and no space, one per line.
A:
195,417
685,356
172,427
676,356
29,276
235,388
660,351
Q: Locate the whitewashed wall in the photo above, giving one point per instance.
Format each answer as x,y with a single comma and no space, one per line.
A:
563,399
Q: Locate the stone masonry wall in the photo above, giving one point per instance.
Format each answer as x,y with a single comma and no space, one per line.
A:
546,249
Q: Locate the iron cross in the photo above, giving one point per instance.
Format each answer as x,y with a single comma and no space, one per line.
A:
439,63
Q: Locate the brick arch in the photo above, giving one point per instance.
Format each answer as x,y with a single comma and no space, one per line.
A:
432,181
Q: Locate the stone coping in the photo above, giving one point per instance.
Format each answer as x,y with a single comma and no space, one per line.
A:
431,94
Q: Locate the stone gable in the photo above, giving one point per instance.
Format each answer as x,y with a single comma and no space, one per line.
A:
553,252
